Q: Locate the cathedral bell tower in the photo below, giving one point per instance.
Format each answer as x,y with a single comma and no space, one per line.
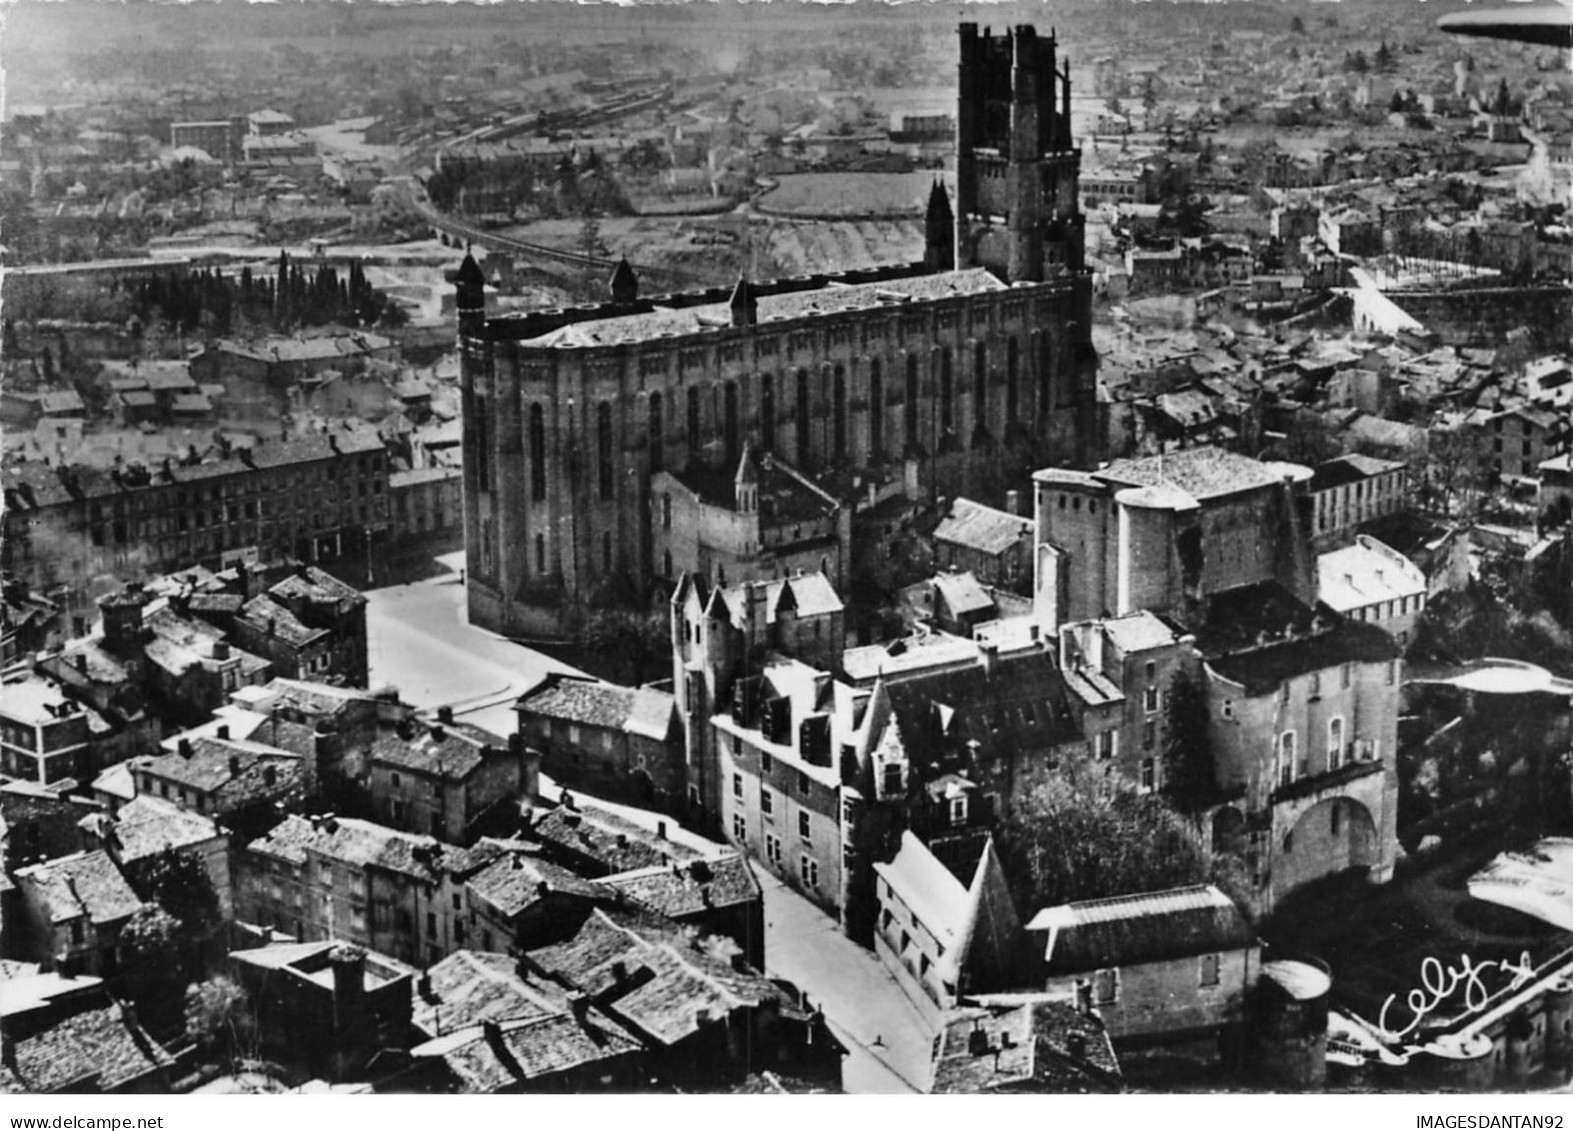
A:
1018,211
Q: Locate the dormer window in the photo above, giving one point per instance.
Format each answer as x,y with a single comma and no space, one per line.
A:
958,810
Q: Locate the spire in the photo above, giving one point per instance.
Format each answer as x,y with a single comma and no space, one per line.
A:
624,283
939,230
745,484
470,273
744,303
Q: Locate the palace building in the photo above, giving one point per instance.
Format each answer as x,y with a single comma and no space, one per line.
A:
930,373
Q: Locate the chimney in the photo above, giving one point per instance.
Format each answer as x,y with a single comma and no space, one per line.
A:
542,890
1013,502
579,1003
977,1043
223,731
445,715
1076,1044
660,829
438,735
989,657
81,662
234,765
185,747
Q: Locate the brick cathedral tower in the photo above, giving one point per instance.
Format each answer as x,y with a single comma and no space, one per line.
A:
1018,211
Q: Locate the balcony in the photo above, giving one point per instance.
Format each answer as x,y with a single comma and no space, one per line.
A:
1325,782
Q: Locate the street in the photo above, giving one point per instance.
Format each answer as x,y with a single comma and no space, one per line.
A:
889,1041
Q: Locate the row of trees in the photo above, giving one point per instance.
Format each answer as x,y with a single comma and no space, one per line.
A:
210,302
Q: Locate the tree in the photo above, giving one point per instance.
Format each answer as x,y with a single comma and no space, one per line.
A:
218,1017
1074,842
1189,775
1384,62
1150,96
1297,26
153,957
179,883
1357,63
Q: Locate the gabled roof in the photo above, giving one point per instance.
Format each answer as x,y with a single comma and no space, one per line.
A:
982,528
612,844
681,890
1350,468
234,769
148,826
1130,930
83,884
101,1041
517,880
642,711
654,977
962,593
461,750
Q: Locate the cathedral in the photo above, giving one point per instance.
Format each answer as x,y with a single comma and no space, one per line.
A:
922,373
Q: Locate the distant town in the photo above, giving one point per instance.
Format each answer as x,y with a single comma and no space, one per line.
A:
785,549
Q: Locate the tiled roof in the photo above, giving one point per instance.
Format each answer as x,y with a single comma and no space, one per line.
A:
100,1042
680,890
517,880
493,1057
1037,1046
981,528
46,488
613,844
84,883
653,976
236,770
353,841
1129,930
267,615
642,711
147,826
313,584
455,757
1202,473
1350,468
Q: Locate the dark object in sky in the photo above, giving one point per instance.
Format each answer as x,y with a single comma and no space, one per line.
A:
1548,24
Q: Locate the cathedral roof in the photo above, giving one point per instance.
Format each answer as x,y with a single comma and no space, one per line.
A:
834,299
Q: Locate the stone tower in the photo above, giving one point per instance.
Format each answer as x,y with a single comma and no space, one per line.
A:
1017,194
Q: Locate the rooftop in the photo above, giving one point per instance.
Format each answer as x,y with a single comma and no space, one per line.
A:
612,844
1203,473
148,826
640,711
1351,468
681,890
1129,930
982,528
101,1042
1360,575
452,751
82,884
669,322
1040,1045
653,976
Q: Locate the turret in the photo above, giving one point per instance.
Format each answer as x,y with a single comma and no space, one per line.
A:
470,295
744,303
745,484
939,231
624,284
